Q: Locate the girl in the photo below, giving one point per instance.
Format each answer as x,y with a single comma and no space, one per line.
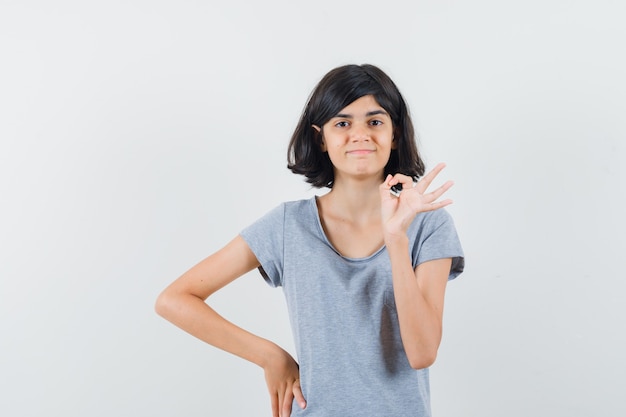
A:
363,267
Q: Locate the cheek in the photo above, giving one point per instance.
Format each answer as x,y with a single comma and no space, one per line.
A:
332,145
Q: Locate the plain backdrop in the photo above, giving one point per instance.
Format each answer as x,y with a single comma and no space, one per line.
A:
137,137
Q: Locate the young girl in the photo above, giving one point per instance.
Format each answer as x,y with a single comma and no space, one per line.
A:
363,267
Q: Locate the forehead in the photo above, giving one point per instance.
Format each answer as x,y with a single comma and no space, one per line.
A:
362,106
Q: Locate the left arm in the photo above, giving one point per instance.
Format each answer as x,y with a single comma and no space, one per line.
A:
419,298
419,292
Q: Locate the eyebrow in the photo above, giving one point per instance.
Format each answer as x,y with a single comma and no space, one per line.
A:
368,114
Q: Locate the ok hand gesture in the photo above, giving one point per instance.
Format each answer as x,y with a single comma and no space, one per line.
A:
399,211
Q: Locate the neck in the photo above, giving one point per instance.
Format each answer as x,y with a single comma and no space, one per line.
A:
355,199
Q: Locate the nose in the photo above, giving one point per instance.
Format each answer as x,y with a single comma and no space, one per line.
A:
359,133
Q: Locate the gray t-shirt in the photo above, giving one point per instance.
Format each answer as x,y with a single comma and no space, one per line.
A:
342,312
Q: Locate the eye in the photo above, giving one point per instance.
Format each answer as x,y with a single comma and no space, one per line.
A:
342,124
376,122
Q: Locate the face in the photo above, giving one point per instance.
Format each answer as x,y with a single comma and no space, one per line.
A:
359,139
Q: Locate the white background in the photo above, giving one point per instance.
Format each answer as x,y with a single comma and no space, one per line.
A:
137,137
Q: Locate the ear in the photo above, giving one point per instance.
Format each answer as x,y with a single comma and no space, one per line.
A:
394,141
319,132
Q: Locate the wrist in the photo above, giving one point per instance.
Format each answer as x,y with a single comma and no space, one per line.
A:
271,355
393,239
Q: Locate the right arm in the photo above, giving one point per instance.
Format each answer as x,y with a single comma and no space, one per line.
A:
183,304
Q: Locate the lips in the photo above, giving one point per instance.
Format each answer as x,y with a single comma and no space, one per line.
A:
360,151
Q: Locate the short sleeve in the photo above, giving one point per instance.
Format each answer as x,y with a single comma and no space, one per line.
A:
435,237
265,239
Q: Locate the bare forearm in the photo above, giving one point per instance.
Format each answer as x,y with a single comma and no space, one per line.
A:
193,315
420,323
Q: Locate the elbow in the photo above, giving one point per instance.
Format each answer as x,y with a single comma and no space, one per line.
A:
422,360
163,305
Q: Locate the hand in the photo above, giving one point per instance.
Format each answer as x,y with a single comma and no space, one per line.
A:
282,376
399,212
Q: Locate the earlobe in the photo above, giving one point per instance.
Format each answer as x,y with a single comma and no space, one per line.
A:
319,131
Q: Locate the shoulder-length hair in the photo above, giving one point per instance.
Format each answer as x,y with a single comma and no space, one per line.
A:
336,90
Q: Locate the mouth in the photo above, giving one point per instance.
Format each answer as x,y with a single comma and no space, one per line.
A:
360,151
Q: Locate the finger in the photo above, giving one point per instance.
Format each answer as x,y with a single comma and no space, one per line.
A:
423,184
437,205
398,183
297,393
405,180
274,400
385,187
432,196
287,403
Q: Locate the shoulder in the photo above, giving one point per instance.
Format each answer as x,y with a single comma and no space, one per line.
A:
285,211
296,204
293,205
432,219
305,209
433,223
434,237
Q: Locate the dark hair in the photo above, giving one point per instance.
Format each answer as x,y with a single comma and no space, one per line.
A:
336,90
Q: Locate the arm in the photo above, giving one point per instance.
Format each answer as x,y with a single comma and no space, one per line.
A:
419,298
419,293
183,304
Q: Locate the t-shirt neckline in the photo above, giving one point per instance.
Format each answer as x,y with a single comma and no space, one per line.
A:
316,213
